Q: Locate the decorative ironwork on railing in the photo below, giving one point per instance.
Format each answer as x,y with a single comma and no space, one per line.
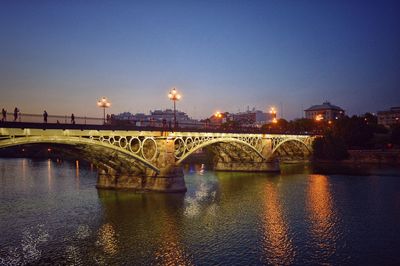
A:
83,122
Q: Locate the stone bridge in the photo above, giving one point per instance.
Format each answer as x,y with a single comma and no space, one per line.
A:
152,159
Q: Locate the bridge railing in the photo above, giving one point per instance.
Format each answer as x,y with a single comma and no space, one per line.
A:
56,119
83,122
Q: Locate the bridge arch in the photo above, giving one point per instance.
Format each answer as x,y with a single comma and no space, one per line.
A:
187,152
288,140
74,141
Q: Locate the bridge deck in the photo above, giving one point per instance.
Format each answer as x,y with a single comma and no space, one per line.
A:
23,125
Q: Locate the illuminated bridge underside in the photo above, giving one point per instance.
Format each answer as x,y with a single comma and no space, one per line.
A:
150,160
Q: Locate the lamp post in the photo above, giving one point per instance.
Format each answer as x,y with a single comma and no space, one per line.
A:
103,103
174,96
272,111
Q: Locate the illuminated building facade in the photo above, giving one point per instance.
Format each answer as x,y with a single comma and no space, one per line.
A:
325,111
389,117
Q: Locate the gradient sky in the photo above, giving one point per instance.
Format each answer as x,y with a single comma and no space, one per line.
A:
222,55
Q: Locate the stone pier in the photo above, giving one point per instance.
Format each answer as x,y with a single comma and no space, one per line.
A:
169,178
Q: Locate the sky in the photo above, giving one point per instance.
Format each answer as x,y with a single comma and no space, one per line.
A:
63,56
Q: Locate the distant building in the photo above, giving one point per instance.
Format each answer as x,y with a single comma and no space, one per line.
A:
390,117
325,111
219,118
168,115
156,117
252,118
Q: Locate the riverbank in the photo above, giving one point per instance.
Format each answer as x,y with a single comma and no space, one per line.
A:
374,156
390,157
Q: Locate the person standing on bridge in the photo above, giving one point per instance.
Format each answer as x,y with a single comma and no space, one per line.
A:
45,115
72,119
16,114
4,113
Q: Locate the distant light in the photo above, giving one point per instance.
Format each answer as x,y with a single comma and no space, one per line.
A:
319,117
174,95
49,150
218,115
274,120
103,102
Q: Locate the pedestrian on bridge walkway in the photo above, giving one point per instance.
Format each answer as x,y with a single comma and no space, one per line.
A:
72,119
16,114
45,115
4,113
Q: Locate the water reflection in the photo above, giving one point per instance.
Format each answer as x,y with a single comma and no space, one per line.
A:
278,245
77,169
322,216
107,239
171,250
24,166
224,218
155,217
49,173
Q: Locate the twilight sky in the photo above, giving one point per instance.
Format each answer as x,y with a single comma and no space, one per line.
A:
222,55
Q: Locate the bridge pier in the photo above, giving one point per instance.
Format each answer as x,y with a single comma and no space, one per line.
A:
168,180
170,177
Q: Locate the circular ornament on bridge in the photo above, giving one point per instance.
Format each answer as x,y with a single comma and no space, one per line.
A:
134,145
179,145
111,140
189,143
196,140
123,142
149,149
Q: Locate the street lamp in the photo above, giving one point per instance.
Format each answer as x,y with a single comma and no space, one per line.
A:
272,111
103,103
174,96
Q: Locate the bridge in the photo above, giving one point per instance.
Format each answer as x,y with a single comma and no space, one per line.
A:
151,158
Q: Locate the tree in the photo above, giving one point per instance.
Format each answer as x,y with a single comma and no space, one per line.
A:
395,135
330,147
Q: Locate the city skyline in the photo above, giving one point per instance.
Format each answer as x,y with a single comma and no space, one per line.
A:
222,56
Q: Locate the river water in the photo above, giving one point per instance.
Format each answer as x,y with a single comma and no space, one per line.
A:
51,213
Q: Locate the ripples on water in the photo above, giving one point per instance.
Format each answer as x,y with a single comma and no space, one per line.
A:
51,213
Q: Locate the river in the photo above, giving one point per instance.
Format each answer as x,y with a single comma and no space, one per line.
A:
51,213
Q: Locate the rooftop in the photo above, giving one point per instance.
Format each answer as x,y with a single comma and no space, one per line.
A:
324,106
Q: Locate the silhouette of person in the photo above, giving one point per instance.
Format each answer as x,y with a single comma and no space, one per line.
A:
15,114
72,119
45,115
4,113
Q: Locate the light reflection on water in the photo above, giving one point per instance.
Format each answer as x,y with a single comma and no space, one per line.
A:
277,241
51,213
322,216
